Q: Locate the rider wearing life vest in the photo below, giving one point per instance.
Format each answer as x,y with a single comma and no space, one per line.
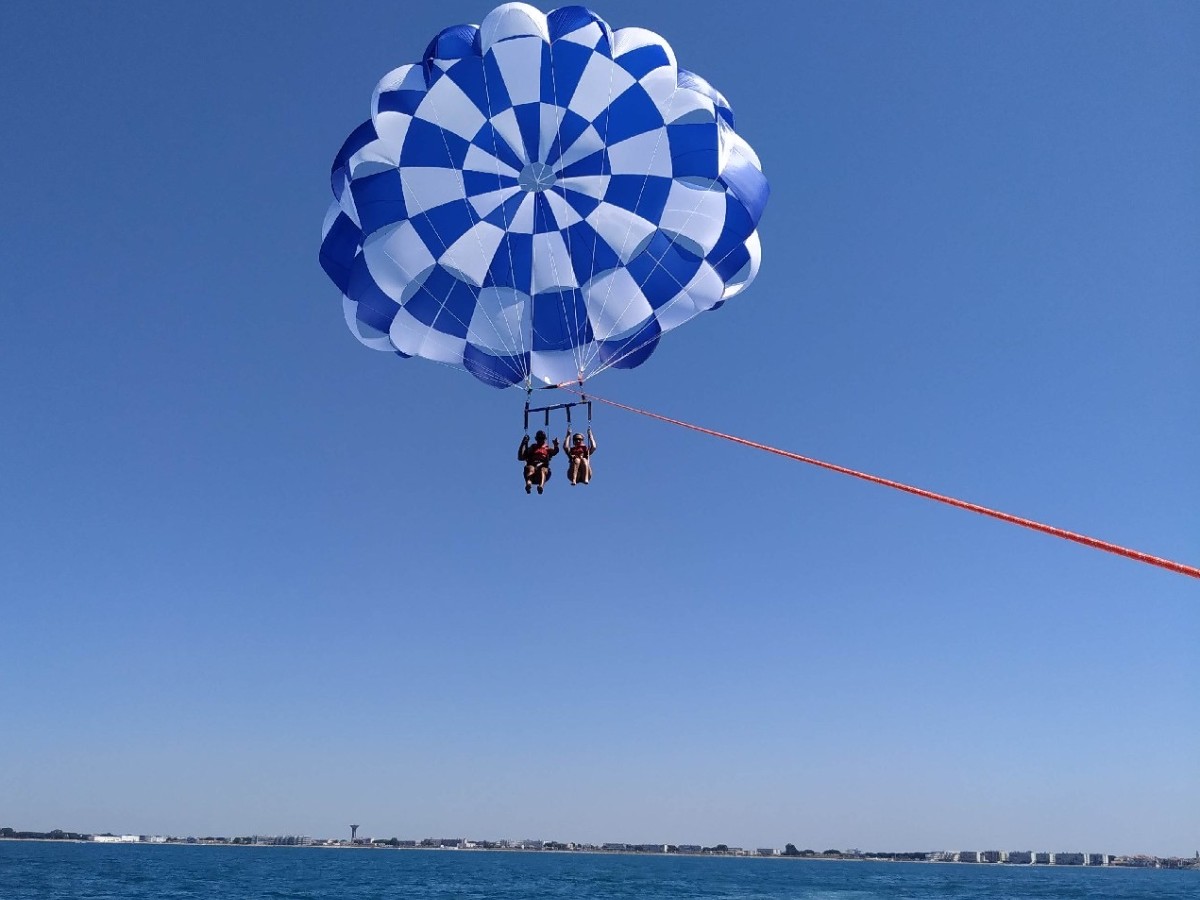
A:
579,469
536,457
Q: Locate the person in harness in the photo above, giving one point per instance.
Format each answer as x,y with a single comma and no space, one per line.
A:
536,457
579,467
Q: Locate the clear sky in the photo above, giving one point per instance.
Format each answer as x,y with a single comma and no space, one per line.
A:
257,578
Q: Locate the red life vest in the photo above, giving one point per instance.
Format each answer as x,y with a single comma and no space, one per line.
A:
538,455
578,451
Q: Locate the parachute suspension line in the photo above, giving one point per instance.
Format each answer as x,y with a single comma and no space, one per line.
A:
1094,543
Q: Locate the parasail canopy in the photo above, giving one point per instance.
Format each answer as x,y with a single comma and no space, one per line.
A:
540,198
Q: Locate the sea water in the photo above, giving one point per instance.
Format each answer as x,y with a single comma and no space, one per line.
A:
76,871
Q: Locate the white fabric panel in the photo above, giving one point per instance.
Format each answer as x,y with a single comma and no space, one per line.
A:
622,230
520,64
552,117
554,366
603,80
522,220
331,215
696,212
426,187
501,323
485,204
688,108
586,144
391,126
442,347
480,160
472,253
396,255
661,84
402,78
506,124
592,185
737,146
588,36
551,263
615,304
347,205
705,288
407,333
626,40
742,279
374,157
446,105
510,20
564,214
675,311
642,154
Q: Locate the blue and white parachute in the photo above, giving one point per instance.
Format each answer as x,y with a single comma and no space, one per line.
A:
540,198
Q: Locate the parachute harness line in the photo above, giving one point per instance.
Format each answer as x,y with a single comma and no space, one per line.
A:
1092,542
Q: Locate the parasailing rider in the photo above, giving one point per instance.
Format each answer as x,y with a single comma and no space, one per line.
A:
536,457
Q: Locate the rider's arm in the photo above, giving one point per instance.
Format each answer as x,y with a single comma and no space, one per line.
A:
591,442
524,447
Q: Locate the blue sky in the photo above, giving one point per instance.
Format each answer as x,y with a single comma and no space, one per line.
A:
257,578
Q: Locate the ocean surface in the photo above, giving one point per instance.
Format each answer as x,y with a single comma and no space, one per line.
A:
64,871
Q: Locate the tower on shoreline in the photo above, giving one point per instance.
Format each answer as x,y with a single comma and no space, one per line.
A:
353,833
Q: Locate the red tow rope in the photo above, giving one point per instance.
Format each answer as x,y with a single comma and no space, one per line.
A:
1095,543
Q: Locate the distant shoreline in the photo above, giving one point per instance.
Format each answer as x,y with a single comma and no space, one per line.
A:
1173,863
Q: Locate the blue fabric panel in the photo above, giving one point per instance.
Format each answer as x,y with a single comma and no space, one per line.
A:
459,304
400,101
512,266
468,75
529,120
567,19
443,303
497,90
568,62
738,227
502,216
379,200
477,183
662,270
589,252
359,138
644,60
630,114
428,145
644,194
680,266
338,250
594,164
372,318
694,150
498,371
560,321
747,184
374,306
489,139
732,262
543,215
580,202
455,42
631,352
570,127
441,226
